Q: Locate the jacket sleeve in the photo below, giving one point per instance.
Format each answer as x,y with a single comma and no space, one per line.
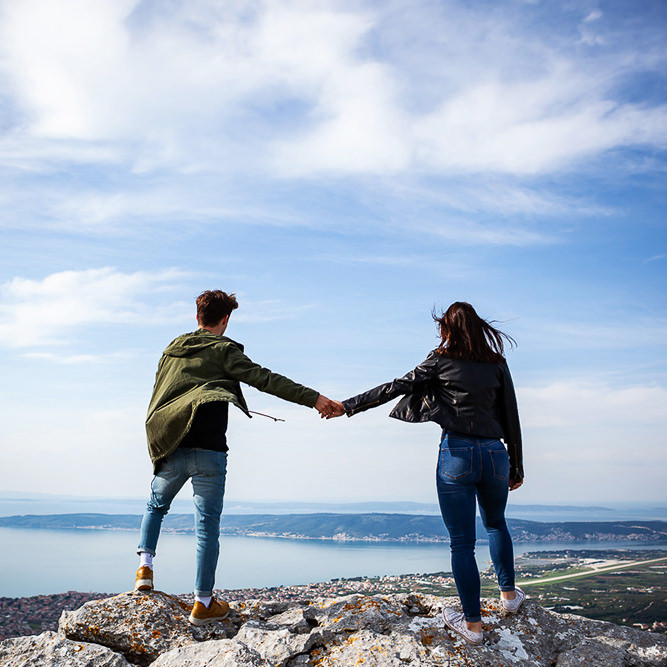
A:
509,419
241,368
384,393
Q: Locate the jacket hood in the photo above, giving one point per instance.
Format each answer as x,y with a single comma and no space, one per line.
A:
191,343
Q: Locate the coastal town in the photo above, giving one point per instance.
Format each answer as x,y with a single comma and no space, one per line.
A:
627,587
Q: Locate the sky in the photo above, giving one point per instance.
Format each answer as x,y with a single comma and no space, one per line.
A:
344,168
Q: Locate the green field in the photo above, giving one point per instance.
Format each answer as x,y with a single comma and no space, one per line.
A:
635,595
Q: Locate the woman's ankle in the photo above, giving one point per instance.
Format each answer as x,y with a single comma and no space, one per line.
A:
474,626
508,595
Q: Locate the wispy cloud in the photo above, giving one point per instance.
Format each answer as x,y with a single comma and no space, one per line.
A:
268,311
506,196
35,313
586,403
75,359
201,112
603,334
579,434
297,89
466,230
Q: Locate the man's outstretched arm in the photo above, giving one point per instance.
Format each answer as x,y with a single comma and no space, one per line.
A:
243,369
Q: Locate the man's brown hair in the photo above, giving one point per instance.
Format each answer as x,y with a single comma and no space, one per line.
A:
213,306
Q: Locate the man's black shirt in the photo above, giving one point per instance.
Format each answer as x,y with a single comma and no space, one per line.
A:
209,428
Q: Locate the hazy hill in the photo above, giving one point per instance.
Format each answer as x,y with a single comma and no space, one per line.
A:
366,527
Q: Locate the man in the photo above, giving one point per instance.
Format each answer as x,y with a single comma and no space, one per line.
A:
199,374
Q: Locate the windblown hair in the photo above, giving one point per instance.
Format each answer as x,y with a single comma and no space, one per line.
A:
465,335
213,306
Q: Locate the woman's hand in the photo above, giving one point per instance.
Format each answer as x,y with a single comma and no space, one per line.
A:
328,408
515,483
337,411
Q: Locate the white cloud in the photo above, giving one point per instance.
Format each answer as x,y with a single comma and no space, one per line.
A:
268,311
532,127
588,441
95,450
506,196
467,230
75,359
297,88
638,330
589,404
595,15
40,312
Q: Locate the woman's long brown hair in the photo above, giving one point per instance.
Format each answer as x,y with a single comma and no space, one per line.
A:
465,335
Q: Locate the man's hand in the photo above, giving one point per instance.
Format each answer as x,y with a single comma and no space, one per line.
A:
338,410
328,408
515,483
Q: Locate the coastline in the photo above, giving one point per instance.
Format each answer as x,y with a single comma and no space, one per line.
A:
619,596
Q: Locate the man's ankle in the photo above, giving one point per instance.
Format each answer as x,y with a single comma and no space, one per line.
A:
508,595
204,599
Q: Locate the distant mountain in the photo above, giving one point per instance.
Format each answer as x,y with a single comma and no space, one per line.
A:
13,504
559,508
369,527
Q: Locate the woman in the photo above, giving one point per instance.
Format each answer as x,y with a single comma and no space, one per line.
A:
465,386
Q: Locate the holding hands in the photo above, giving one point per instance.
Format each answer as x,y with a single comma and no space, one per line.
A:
329,408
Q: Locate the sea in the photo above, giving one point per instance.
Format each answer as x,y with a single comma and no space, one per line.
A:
40,562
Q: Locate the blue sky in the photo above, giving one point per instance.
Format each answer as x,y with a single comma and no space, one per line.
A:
344,168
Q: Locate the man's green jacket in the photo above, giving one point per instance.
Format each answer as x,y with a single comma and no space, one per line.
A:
200,367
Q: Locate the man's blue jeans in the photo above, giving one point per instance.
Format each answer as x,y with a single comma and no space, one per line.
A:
207,470
471,469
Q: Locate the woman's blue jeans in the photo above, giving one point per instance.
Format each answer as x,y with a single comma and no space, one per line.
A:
474,469
207,470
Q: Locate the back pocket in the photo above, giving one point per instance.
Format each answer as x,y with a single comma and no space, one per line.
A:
455,462
501,464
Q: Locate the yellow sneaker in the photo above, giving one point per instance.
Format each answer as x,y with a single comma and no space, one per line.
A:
216,612
144,579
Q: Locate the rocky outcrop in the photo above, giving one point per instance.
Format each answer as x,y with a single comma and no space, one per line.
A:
383,630
50,648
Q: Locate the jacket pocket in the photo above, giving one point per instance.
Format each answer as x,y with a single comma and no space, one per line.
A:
455,462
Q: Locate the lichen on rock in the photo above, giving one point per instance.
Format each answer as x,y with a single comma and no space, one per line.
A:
50,649
373,631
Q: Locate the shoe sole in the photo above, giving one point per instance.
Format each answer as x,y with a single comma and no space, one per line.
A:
205,621
143,585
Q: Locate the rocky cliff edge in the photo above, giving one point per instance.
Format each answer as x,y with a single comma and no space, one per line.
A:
382,630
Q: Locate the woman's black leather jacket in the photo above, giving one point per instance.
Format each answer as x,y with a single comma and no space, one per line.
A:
471,397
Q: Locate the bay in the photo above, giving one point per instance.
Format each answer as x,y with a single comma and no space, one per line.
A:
40,562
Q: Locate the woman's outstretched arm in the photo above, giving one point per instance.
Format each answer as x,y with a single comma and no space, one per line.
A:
384,393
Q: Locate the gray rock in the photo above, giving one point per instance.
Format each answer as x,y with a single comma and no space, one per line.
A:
593,652
293,619
278,645
213,653
382,630
355,612
610,652
52,650
140,626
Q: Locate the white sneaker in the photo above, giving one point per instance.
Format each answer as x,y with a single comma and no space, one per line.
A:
457,622
512,606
